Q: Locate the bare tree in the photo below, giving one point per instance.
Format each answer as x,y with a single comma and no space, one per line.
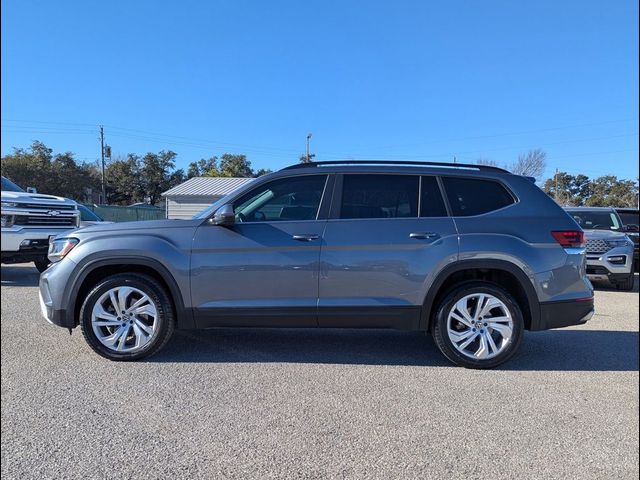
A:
487,162
531,164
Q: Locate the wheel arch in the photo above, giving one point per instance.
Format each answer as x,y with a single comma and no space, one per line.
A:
485,269
92,271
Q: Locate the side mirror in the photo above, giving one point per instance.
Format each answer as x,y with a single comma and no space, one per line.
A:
224,216
32,190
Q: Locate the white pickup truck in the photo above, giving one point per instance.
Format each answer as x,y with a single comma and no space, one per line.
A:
29,219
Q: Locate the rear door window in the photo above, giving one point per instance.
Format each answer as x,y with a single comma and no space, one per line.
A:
379,196
473,196
431,201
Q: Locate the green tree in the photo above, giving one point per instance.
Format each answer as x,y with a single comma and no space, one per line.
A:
203,167
262,171
122,181
580,190
234,166
58,174
30,167
609,191
72,179
155,174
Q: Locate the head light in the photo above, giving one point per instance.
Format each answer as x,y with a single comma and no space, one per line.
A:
6,220
619,243
9,204
60,247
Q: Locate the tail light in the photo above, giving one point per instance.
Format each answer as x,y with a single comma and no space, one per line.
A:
569,238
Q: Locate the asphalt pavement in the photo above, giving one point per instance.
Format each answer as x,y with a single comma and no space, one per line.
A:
317,403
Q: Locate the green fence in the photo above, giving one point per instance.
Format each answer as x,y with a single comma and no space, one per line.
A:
113,213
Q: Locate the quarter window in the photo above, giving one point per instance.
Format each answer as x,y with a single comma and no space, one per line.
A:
472,196
296,198
379,196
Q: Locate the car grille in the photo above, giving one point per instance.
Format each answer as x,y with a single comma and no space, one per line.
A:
597,246
46,221
595,270
40,206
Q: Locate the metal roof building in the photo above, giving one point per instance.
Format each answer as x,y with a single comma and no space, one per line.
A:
189,198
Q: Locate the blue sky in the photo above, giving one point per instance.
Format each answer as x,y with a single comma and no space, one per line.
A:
425,80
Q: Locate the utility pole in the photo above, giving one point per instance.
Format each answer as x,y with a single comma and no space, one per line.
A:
104,197
307,156
555,192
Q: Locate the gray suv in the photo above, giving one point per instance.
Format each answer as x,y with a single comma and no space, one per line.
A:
472,254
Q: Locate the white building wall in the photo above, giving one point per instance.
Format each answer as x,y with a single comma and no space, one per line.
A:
186,206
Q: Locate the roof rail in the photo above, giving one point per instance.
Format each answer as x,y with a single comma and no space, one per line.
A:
397,162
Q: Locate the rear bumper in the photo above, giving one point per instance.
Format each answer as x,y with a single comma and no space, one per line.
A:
565,313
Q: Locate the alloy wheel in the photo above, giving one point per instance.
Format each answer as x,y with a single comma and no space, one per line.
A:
480,326
124,319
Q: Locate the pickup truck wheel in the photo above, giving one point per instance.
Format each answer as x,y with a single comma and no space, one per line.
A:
42,264
127,317
478,325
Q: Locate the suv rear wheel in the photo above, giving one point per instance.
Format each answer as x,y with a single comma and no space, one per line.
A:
478,325
127,317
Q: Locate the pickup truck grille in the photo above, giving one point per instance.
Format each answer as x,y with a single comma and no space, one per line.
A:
597,246
49,221
40,206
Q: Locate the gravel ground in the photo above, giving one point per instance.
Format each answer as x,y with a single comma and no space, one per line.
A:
317,404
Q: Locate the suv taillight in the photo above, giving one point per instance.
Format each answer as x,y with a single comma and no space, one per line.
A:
569,238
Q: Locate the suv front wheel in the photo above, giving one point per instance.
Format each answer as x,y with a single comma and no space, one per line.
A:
478,325
127,317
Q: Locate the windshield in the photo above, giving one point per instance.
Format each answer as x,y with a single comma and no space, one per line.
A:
86,215
597,220
9,186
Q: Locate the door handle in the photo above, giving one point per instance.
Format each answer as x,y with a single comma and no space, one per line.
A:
306,237
424,235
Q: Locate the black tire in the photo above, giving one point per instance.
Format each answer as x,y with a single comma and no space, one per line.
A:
42,264
445,344
155,291
626,285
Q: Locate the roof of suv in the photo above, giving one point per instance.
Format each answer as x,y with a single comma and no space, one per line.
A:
594,209
394,166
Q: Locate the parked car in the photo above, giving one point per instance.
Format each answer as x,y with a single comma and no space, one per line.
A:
631,220
472,254
609,249
29,219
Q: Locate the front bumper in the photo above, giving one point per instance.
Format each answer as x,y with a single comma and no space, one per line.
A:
565,313
607,267
12,237
30,250
49,307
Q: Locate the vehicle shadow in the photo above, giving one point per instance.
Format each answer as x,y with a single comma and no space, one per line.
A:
20,276
606,287
559,350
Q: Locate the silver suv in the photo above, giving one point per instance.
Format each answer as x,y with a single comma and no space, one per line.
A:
472,254
609,249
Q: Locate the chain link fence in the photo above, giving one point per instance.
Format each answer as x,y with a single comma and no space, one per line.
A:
114,213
